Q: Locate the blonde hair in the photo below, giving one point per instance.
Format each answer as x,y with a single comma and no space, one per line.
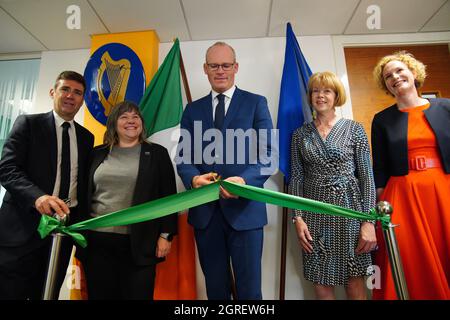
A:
327,79
414,65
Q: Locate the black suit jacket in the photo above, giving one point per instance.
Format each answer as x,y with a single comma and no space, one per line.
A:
155,179
28,171
390,141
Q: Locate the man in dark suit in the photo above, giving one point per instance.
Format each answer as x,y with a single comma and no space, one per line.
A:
43,169
231,228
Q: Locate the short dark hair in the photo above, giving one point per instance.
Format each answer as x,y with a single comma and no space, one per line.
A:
220,44
71,75
111,137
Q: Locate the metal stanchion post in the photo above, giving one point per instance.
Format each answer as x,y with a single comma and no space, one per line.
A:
51,292
385,208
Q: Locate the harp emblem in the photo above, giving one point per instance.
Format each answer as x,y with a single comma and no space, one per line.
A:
114,73
117,75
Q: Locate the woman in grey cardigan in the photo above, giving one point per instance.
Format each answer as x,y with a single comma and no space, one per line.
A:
126,171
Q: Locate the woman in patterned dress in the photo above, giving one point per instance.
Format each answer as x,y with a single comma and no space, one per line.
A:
411,161
330,162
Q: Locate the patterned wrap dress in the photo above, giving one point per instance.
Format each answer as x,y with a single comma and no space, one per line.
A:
335,170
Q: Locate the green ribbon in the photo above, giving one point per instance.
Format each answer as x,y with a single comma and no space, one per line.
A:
294,202
48,225
195,197
143,212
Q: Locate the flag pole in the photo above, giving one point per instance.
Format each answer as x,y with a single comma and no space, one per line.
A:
185,81
293,112
283,248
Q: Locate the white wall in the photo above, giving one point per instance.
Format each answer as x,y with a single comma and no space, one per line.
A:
260,67
52,64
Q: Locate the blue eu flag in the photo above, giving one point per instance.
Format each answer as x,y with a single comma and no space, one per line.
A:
293,109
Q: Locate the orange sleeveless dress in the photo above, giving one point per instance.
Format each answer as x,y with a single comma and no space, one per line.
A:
421,203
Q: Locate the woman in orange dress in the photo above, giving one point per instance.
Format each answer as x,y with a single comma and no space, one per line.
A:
411,161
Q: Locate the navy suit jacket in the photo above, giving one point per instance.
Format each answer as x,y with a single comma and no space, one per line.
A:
246,111
28,171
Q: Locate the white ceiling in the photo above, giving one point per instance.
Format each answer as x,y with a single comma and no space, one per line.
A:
39,25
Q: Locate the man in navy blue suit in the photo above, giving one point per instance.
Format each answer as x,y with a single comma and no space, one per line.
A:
227,134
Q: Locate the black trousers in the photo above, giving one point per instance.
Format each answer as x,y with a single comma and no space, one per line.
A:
111,273
23,269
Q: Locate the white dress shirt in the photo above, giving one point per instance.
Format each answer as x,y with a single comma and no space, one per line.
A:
215,101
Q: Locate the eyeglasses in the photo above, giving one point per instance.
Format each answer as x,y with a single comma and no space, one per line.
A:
225,66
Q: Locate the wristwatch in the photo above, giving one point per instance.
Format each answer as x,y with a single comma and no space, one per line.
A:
167,236
294,219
